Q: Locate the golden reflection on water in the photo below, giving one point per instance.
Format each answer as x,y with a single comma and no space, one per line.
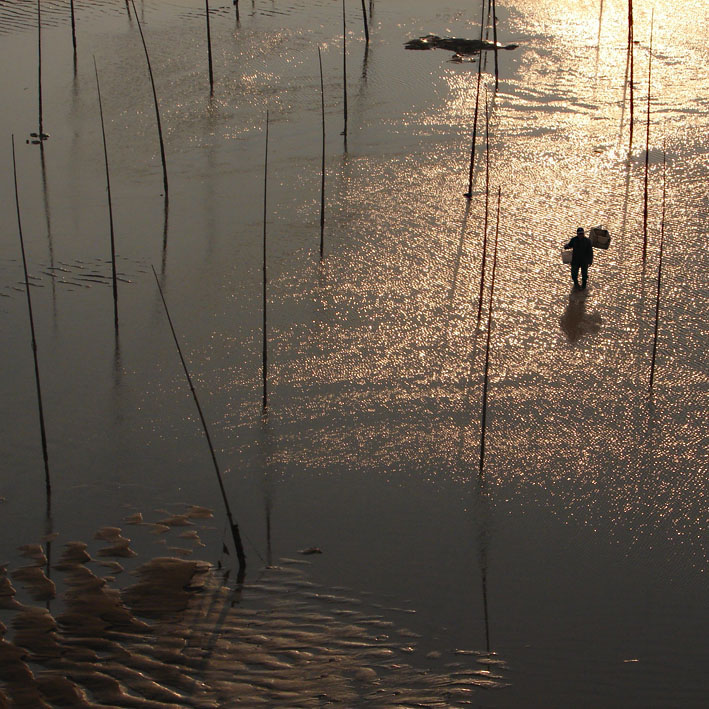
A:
398,350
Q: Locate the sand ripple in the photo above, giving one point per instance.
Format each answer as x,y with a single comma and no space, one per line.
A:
182,636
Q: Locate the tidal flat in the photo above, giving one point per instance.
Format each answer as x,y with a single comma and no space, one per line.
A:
571,571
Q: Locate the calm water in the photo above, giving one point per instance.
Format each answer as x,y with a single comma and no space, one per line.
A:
580,557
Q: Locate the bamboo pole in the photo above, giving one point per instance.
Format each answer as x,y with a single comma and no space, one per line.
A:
322,167
487,202
600,20
264,358
487,26
366,24
110,203
631,55
269,550
40,135
659,269
73,27
485,608
623,102
483,421
42,429
494,39
469,193
234,527
163,262
344,68
155,100
209,49
647,140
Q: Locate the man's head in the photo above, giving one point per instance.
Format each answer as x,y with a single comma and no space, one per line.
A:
579,231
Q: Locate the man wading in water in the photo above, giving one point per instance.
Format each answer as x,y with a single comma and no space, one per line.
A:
581,258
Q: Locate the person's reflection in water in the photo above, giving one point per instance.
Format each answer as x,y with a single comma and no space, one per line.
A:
576,322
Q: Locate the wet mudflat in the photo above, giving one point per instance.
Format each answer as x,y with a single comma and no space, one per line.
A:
578,559
180,635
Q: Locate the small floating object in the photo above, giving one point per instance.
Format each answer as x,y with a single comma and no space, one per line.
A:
311,550
454,44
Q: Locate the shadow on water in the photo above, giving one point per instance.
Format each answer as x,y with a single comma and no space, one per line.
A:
48,539
365,63
117,373
482,504
269,483
459,253
48,222
576,322
598,49
210,201
163,260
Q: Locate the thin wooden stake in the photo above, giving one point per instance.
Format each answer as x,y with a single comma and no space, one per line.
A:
469,193
647,140
483,421
631,54
485,608
487,201
600,20
110,204
40,137
366,24
155,100
236,9
625,92
40,408
265,311
659,269
73,27
344,68
494,39
234,527
487,27
322,167
209,49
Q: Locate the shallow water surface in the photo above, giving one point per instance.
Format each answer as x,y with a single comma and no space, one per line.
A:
578,558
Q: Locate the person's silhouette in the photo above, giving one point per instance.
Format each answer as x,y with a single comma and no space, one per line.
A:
582,257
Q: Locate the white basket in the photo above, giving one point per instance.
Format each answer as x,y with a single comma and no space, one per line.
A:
566,255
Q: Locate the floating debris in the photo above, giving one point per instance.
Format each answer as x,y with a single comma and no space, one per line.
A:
457,45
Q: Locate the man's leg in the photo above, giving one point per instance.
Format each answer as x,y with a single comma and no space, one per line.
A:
575,274
584,275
